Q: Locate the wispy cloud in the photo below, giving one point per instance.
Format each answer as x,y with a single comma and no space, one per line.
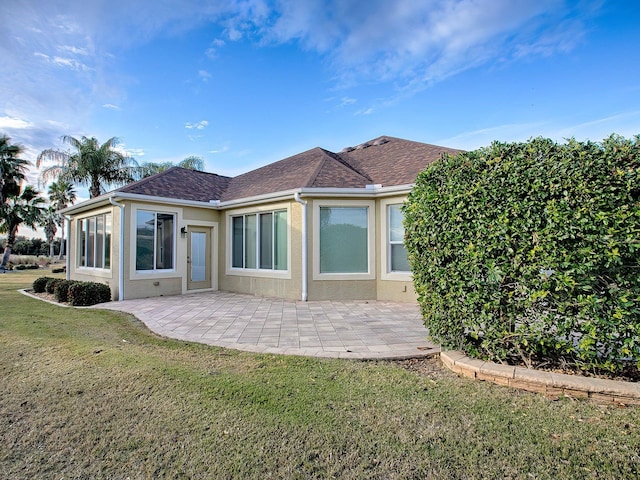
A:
201,125
204,75
212,51
222,149
10,123
423,40
111,106
64,49
626,124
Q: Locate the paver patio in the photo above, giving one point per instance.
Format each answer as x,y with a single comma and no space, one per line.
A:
351,329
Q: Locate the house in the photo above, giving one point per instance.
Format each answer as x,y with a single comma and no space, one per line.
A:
318,225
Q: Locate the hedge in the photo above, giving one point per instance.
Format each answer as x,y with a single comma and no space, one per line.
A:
50,286
61,290
40,284
88,293
528,252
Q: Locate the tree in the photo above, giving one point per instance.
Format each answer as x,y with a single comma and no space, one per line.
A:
89,164
61,194
25,208
50,219
12,168
151,168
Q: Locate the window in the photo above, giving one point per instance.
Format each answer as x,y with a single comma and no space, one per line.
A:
397,253
94,241
344,241
259,241
155,240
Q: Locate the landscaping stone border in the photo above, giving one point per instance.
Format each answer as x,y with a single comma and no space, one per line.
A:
547,383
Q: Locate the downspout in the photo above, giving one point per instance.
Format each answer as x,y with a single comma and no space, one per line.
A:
67,263
304,244
120,250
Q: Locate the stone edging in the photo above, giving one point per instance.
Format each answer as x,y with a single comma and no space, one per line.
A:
547,383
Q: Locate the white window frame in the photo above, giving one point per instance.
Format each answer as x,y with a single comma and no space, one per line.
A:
257,272
79,250
134,223
371,239
385,252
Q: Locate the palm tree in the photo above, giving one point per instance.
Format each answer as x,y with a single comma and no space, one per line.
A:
12,168
147,169
89,164
24,208
61,194
49,221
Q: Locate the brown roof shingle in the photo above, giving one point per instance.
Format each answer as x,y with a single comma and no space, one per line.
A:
180,183
393,161
387,161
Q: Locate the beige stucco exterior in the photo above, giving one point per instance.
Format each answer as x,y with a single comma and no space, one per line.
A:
378,283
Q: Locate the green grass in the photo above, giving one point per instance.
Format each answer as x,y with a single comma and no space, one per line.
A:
93,394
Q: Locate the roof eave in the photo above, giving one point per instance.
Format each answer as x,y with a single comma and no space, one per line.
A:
104,199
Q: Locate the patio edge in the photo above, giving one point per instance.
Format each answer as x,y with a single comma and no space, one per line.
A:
538,381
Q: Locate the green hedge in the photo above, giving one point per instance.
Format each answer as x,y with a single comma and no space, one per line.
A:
528,252
61,290
50,286
88,293
24,266
40,284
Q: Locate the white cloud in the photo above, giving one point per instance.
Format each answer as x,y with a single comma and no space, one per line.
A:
365,111
74,50
70,63
223,149
626,124
196,126
10,123
212,51
344,101
111,106
204,75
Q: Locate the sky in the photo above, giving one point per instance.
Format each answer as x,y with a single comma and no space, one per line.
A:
248,82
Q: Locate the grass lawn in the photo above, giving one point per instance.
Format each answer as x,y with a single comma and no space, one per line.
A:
93,394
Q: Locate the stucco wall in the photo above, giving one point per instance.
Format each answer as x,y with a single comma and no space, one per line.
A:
150,284
263,283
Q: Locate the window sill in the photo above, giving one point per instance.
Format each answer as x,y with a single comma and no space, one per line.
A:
245,272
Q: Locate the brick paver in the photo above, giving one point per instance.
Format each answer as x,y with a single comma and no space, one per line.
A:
359,329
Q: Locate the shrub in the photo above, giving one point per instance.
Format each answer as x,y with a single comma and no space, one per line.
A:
24,266
40,284
529,251
61,290
51,285
59,270
88,293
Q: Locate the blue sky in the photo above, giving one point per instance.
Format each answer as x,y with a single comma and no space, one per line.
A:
245,83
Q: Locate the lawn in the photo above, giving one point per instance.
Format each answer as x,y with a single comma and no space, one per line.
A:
93,394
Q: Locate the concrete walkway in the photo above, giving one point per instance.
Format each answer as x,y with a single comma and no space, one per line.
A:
358,330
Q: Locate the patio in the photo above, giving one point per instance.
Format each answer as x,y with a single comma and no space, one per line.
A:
354,329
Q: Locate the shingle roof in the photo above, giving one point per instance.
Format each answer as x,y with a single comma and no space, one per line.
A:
180,183
314,168
387,161
393,161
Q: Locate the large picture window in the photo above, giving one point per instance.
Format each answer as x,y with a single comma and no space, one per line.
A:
94,241
259,241
344,234
397,253
155,240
